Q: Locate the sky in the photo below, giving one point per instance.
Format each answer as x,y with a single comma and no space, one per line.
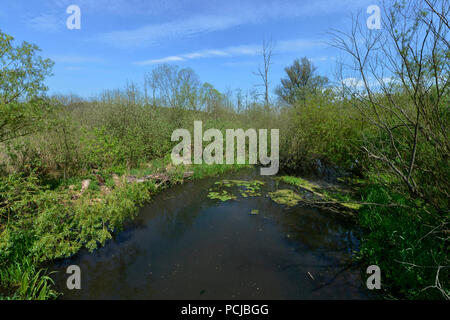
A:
121,40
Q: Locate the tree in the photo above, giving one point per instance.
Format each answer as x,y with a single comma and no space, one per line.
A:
211,98
300,81
22,75
188,84
266,52
173,87
398,78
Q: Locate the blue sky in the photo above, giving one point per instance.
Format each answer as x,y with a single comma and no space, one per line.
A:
121,40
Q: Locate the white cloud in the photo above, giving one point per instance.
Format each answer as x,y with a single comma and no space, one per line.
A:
284,46
210,16
119,7
319,59
46,22
224,52
372,82
218,17
155,33
163,60
353,82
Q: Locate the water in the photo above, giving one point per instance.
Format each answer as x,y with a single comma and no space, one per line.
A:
186,246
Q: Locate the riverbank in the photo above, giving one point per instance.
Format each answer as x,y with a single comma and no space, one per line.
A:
195,241
55,219
403,236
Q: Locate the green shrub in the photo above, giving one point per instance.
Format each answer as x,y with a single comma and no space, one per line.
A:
407,244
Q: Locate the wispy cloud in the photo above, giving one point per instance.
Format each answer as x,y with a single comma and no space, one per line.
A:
46,22
227,15
153,34
119,7
360,84
233,51
162,60
51,14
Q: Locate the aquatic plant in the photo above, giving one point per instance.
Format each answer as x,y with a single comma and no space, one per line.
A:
245,188
222,196
285,197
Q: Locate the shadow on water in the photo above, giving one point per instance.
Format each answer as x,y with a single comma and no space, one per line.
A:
184,245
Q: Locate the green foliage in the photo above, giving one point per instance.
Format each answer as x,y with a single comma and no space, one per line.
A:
21,83
407,243
23,72
101,150
300,82
38,225
325,129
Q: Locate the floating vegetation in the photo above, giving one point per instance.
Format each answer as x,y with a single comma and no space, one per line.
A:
338,201
254,211
250,192
285,197
299,182
222,196
308,193
245,189
240,183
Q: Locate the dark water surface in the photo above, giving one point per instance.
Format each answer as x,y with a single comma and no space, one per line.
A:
186,246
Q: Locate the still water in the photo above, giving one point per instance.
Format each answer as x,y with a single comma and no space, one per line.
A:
184,245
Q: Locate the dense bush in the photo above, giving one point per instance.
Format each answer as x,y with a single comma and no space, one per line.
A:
326,129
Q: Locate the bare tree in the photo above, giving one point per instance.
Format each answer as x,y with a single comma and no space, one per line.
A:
400,77
263,73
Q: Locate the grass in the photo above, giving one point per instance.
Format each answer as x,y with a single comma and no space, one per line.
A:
22,279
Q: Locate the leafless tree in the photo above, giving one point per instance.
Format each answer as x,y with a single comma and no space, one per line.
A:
400,77
263,73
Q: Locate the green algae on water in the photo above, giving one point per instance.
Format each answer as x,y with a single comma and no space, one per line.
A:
222,196
285,197
244,188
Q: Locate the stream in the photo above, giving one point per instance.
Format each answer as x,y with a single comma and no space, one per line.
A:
184,245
